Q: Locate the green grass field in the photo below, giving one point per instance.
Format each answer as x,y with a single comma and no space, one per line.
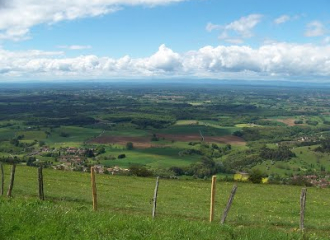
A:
6,133
164,157
75,134
258,211
32,135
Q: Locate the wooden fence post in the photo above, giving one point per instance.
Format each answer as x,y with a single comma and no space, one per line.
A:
94,189
214,179
12,177
302,208
230,201
154,200
41,184
2,179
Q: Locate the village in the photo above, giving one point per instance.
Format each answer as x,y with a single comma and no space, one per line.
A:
77,159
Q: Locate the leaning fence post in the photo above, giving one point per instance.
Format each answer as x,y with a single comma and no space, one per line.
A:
302,208
230,201
214,179
12,177
41,184
94,189
154,200
2,179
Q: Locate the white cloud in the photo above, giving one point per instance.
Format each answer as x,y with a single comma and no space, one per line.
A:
18,16
164,60
282,19
315,29
210,27
75,47
244,25
270,61
236,31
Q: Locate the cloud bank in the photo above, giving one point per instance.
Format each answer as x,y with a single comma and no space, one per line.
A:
272,61
18,16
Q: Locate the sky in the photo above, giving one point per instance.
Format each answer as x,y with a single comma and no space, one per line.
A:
165,39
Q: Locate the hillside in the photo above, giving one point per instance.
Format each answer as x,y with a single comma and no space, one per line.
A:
258,211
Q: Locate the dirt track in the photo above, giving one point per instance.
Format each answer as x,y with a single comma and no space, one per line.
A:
144,142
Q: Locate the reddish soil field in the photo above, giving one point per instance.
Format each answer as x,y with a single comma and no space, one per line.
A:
139,142
144,142
189,138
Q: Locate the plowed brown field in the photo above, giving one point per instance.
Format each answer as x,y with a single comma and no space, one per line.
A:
144,142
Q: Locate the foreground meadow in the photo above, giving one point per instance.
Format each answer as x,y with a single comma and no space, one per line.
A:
258,211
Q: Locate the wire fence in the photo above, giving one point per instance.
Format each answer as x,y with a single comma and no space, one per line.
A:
268,205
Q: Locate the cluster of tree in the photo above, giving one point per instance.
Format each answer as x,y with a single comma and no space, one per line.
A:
281,153
204,168
142,120
312,122
16,142
4,125
241,161
94,152
274,134
324,147
269,123
140,171
145,123
30,161
256,176
208,150
299,121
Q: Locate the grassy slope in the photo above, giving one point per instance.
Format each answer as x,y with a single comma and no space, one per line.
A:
76,135
305,159
258,211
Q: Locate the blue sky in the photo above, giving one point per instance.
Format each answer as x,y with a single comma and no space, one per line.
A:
110,39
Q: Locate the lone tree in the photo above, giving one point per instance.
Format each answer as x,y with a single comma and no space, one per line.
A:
256,176
129,146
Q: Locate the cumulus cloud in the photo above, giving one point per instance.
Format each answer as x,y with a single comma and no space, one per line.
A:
164,59
280,60
236,31
282,19
18,16
315,29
